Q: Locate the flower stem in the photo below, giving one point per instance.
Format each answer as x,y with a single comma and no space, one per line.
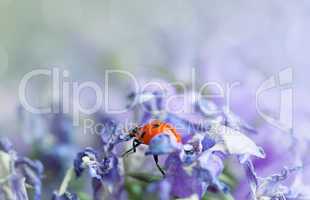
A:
65,183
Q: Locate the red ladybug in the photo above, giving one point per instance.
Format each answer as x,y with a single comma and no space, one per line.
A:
144,134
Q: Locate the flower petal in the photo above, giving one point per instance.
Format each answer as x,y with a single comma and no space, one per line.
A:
162,144
236,142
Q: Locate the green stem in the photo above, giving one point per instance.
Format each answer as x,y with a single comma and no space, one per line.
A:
65,183
144,177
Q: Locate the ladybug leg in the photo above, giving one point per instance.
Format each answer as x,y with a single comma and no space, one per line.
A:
157,164
135,144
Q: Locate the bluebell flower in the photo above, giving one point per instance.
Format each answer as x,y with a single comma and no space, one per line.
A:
208,169
205,165
110,168
211,112
87,158
18,188
20,171
212,163
104,173
272,187
192,150
111,133
188,154
233,142
183,183
223,115
280,151
198,169
207,142
33,173
203,155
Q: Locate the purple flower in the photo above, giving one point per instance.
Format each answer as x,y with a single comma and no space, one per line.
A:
223,115
18,187
111,134
212,163
196,170
33,173
183,184
190,152
19,171
110,169
103,172
87,158
272,187
207,142
208,168
232,142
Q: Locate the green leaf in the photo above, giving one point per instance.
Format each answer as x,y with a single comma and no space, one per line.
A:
218,196
135,189
229,180
5,161
84,196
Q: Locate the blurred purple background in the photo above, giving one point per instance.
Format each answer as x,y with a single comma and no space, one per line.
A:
244,41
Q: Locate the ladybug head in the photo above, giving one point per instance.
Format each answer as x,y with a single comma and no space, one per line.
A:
134,132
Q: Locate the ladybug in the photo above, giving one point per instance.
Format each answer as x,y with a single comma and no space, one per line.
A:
144,135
